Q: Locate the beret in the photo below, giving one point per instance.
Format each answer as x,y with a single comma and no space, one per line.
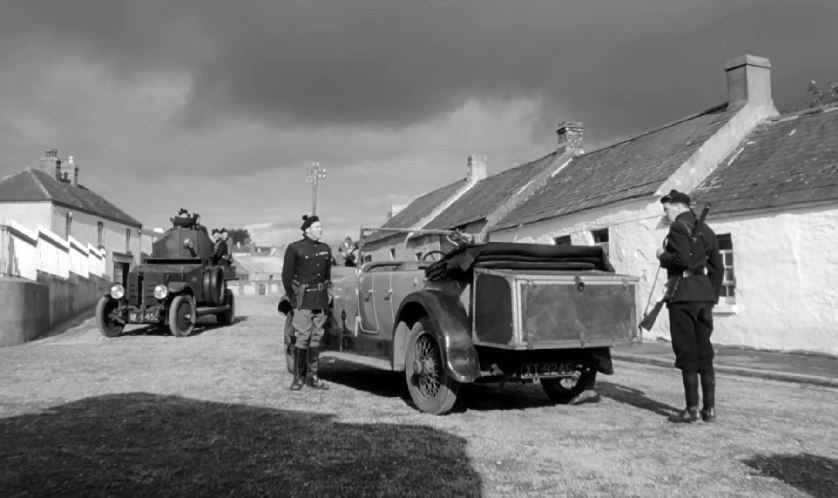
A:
676,197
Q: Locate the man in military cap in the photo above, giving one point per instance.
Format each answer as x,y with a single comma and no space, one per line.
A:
306,277
694,269
220,247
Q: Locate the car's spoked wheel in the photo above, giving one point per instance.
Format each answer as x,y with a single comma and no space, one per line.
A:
564,389
182,316
431,388
108,326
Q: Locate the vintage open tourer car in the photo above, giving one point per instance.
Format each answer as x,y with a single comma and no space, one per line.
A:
493,312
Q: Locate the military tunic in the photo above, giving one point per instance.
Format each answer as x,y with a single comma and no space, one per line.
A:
307,273
695,270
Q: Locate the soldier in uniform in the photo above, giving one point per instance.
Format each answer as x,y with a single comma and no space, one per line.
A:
694,269
220,247
306,277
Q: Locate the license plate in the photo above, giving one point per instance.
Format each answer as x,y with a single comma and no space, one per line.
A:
147,317
546,369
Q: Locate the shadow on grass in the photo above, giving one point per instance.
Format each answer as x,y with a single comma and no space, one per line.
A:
205,324
637,399
812,474
365,378
393,385
154,445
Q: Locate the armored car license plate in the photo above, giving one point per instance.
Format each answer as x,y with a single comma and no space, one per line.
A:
139,317
546,369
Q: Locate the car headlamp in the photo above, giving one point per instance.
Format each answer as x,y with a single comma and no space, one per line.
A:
161,291
117,291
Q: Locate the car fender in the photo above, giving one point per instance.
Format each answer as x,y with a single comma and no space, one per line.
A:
450,320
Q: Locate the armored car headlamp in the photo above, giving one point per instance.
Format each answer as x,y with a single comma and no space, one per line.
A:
117,291
161,291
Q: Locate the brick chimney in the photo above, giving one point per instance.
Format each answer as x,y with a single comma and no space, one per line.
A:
476,168
571,137
749,80
50,163
58,170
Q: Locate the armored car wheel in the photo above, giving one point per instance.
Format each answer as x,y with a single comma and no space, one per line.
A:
107,325
431,388
226,317
182,316
564,389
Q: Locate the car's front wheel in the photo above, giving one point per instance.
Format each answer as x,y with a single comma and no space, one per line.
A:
431,388
108,326
564,389
182,316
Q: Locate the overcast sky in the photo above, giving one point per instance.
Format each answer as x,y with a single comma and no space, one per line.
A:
220,106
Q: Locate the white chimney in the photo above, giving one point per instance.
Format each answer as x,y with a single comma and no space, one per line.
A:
749,81
571,137
476,168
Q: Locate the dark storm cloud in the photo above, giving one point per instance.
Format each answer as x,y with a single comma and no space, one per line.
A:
618,66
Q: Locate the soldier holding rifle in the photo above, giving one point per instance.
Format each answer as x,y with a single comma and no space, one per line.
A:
690,255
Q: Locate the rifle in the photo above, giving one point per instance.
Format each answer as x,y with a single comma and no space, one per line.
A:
649,317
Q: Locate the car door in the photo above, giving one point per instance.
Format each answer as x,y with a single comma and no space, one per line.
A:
366,303
382,296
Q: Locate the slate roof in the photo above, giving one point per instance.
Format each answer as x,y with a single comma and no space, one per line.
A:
33,185
789,159
417,210
488,195
626,170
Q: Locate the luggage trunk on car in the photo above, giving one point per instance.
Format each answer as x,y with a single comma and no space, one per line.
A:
534,309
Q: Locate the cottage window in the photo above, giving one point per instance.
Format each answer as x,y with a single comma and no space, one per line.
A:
392,253
601,239
564,240
68,225
100,233
128,240
728,293
419,256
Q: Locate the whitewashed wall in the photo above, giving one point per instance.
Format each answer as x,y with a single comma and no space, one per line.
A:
786,266
25,252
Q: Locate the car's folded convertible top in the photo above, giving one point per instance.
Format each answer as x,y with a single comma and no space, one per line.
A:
459,264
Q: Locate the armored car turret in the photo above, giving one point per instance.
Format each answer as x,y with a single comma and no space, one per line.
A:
180,281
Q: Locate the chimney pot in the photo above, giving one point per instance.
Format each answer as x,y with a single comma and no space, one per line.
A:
749,80
571,137
476,168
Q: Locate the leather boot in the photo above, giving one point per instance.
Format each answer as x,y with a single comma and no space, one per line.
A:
690,414
299,369
708,393
312,379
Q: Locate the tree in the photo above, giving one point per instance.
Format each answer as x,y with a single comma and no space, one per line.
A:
820,97
239,236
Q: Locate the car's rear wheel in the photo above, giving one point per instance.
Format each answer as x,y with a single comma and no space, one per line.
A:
431,388
182,316
227,316
108,326
564,389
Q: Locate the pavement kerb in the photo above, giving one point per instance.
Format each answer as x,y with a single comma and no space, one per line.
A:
745,372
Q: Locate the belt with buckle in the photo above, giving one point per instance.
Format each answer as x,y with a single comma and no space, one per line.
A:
695,272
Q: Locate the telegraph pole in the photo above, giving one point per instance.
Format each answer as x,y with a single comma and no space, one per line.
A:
315,175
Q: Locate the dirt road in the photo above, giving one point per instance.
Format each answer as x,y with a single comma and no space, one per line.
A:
211,414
